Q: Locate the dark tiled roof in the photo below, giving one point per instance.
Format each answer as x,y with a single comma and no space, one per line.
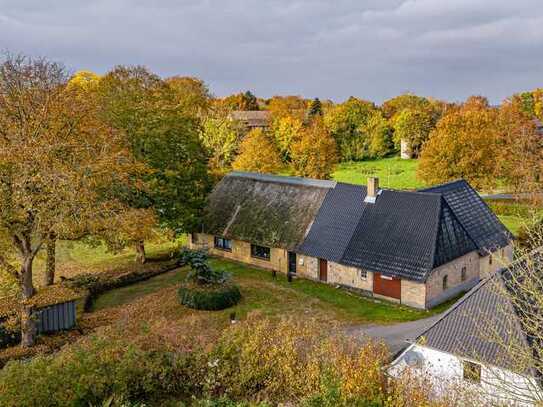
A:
335,223
484,323
404,234
482,225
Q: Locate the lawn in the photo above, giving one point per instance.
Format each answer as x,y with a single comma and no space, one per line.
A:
393,173
276,296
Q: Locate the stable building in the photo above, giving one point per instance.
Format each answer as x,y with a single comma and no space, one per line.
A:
417,248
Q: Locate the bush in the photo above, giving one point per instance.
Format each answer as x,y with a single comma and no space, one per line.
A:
94,371
209,297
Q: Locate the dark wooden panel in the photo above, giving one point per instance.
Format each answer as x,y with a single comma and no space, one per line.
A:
323,270
387,286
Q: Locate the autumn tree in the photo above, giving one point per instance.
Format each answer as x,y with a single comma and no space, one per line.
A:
395,105
379,136
163,132
531,102
221,137
412,126
57,163
258,153
191,95
285,131
345,122
314,154
283,106
241,101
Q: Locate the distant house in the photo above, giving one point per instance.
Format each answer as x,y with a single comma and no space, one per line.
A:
538,126
467,347
252,119
416,248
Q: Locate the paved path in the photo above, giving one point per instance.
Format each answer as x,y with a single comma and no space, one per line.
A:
395,336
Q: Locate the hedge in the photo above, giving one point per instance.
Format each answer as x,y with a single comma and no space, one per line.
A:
210,297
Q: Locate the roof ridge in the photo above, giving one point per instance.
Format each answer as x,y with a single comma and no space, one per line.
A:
283,179
455,181
436,234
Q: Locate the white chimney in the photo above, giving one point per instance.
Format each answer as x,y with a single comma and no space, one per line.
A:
372,190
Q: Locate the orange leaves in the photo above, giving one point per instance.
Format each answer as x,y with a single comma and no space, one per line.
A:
257,154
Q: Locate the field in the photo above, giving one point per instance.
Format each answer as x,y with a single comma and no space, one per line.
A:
393,173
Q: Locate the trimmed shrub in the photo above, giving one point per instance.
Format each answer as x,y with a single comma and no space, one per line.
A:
211,297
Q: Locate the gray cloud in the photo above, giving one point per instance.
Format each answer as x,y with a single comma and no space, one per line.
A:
332,49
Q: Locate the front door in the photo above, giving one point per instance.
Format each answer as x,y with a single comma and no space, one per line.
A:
323,270
292,262
387,286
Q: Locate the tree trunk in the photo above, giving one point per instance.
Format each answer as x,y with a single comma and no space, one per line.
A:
28,322
50,265
140,252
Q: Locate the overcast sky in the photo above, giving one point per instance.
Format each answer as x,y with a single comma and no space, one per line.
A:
332,49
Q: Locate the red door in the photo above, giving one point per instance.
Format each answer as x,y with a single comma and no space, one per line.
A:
387,286
323,270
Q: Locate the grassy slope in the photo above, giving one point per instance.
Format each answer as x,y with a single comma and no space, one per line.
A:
276,296
393,172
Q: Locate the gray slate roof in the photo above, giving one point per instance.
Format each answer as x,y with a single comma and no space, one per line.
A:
482,225
404,234
480,324
252,118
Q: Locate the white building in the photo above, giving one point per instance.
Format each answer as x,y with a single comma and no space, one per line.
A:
467,349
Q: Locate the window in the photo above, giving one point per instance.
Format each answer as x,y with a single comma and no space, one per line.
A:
490,259
445,282
471,371
363,274
463,274
194,238
260,252
223,244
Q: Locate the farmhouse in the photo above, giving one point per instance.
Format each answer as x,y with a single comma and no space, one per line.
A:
417,248
481,344
252,119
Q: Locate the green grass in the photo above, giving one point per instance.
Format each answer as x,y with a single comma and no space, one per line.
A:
393,172
276,296
125,295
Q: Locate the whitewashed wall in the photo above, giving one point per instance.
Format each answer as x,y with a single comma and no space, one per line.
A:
446,372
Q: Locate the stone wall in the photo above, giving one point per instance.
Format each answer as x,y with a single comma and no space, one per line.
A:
491,263
307,267
241,251
435,294
350,276
413,294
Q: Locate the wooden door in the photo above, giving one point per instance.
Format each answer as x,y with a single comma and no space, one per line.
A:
387,286
292,262
323,270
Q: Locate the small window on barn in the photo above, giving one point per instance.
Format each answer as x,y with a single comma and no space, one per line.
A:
363,275
223,244
471,371
260,252
445,282
463,274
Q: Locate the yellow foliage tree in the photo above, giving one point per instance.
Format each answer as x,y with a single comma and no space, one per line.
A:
285,131
314,154
257,154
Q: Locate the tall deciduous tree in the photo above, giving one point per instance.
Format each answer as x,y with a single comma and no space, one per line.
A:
57,163
314,154
285,131
413,126
345,122
164,134
221,137
379,134
258,153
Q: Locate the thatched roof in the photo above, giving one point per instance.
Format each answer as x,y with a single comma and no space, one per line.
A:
252,118
264,209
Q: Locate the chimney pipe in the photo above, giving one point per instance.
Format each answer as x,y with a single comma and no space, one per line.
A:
372,190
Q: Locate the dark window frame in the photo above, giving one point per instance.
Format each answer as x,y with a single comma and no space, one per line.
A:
471,371
222,243
464,273
256,251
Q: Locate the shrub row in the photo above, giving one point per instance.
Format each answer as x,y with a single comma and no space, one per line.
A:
210,297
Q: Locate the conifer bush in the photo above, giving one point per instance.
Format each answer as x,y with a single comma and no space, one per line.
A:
205,288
